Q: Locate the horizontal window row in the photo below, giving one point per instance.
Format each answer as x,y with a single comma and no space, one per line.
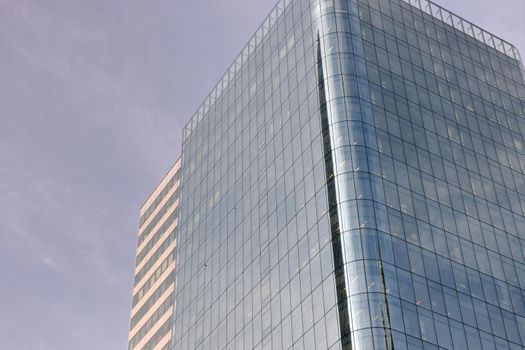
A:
154,258
152,321
173,217
160,197
165,265
168,205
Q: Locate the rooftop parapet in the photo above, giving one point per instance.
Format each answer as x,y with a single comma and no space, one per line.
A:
466,27
426,6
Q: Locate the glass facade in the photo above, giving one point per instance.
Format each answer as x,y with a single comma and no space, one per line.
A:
426,125
254,262
356,181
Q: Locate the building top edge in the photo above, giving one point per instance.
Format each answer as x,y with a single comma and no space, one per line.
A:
426,6
466,27
235,67
153,195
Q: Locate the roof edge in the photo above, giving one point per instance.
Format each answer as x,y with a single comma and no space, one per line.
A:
466,27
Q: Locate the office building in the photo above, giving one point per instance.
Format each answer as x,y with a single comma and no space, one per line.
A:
151,322
356,181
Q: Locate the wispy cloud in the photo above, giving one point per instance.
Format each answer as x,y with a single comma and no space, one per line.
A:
46,260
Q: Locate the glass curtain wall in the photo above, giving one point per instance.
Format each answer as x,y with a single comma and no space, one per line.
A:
426,128
255,264
356,181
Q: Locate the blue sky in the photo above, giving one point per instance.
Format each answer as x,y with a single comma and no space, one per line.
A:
93,95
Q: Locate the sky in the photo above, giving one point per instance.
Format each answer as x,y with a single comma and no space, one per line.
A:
93,96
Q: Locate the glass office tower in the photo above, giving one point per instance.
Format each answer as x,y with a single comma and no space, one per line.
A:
356,181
